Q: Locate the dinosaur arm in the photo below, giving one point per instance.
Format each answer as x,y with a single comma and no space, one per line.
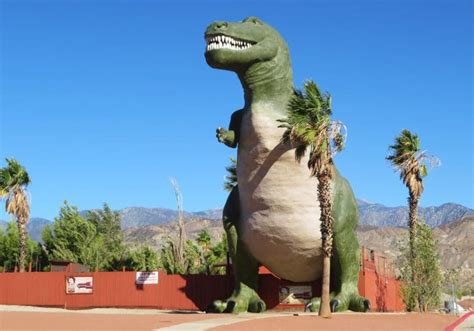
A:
231,137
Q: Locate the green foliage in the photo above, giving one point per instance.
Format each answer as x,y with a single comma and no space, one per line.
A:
410,161
108,227
143,258
11,176
192,258
13,182
200,256
9,254
231,177
452,284
218,254
95,241
308,124
423,290
71,237
168,260
406,146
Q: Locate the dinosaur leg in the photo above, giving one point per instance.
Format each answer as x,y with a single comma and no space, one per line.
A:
346,254
345,263
244,297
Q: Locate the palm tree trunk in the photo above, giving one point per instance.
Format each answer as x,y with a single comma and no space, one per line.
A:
412,222
22,244
325,204
413,211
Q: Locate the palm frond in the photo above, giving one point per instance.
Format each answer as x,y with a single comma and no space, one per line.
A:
300,152
308,123
411,162
231,177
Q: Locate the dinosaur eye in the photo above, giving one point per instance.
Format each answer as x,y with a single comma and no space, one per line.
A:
253,20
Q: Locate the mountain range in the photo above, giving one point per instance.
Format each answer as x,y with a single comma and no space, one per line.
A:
370,214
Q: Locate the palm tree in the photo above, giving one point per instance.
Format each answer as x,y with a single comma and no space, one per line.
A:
13,182
308,124
408,159
231,177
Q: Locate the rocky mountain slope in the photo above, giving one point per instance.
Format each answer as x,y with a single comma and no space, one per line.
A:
35,226
370,214
380,215
455,244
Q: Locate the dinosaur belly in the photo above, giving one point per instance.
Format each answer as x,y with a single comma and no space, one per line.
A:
279,207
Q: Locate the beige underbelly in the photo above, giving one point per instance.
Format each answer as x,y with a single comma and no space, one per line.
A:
279,208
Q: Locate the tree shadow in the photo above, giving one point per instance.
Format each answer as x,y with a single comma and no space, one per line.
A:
202,290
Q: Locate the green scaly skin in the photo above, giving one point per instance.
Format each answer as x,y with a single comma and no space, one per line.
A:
260,57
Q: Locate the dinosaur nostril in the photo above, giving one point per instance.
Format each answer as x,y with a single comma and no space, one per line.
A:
221,25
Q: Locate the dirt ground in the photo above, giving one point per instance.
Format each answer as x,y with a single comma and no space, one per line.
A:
467,304
84,321
28,320
348,322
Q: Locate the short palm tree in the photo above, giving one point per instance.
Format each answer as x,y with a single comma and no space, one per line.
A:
309,124
13,182
408,159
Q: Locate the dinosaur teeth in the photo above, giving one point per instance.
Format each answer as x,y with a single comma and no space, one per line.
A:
222,41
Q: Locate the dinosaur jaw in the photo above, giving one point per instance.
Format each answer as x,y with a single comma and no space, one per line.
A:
221,41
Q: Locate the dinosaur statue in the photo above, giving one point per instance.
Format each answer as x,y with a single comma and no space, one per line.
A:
272,216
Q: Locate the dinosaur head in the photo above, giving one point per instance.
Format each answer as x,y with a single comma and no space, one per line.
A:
238,46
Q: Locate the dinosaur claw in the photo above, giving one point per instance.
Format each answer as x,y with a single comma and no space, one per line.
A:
231,305
366,305
334,303
215,307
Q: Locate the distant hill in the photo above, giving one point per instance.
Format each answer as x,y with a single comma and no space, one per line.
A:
455,244
138,216
370,214
380,215
373,214
35,227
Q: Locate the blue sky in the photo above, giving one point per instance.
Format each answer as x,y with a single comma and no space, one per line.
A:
102,101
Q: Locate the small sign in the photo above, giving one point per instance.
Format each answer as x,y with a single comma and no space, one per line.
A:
295,295
146,277
79,285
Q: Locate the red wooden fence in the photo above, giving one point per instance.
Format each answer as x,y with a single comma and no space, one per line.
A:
191,292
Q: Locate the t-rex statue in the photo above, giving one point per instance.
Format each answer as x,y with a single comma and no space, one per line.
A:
272,216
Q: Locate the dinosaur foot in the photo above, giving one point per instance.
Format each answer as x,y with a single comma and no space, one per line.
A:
237,304
353,302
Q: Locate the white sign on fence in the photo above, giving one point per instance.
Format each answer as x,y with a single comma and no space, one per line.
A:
78,285
146,277
295,295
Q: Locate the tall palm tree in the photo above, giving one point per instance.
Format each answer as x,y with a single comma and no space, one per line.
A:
309,124
407,158
13,182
